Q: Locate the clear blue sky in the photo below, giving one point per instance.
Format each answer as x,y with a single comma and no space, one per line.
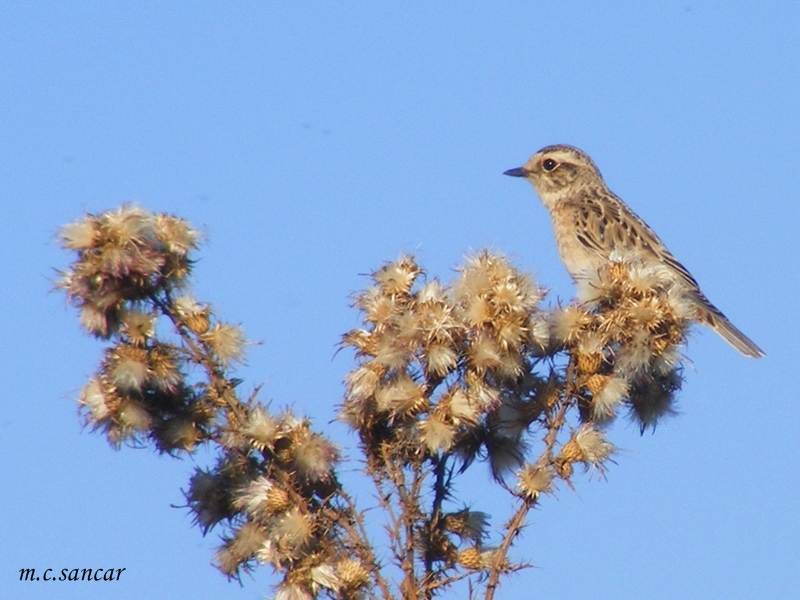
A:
312,141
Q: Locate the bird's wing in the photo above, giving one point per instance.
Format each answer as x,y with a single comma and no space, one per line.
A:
604,223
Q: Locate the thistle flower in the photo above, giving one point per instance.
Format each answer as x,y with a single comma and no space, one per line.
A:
588,446
269,554
164,373
325,576
138,326
392,354
196,316
292,591
178,433
539,335
227,342
208,498
82,234
484,353
607,394
476,558
511,334
133,416
470,558
226,560
314,457
492,278
436,434
261,428
535,480
127,367
467,524
407,328
504,453
440,359
570,323
352,573
403,396
635,357
432,292
246,541
100,323
652,398
128,225
379,308
93,398
511,365
478,311
484,395
458,407
176,234
397,277
291,530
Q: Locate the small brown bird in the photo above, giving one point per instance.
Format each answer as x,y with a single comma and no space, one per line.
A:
591,223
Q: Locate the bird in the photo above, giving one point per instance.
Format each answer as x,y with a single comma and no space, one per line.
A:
591,223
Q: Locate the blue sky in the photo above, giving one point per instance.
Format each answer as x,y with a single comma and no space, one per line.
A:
311,142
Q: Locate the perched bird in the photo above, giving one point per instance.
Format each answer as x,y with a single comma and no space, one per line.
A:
591,223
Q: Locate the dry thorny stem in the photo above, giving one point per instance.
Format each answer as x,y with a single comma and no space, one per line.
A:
447,377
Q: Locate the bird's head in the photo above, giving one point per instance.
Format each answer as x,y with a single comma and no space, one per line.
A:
555,170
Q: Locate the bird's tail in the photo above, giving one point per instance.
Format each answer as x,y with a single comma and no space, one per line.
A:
714,318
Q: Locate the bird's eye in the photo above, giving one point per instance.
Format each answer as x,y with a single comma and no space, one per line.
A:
549,164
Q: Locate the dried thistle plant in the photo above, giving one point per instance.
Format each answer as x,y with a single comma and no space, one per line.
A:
447,376
165,380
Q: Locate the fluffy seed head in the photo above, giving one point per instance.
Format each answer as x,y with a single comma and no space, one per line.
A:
325,576
207,498
397,277
568,324
392,354
82,234
352,573
176,234
484,353
292,591
363,381
401,397
133,416
93,398
535,480
607,398
196,316
314,457
261,427
138,326
243,546
262,498
227,341
432,292
459,408
592,445
436,434
127,367
292,529
178,433
441,359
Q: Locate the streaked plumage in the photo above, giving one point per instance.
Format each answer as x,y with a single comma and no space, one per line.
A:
591,223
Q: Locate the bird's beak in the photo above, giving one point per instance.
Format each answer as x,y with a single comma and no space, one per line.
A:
518,172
